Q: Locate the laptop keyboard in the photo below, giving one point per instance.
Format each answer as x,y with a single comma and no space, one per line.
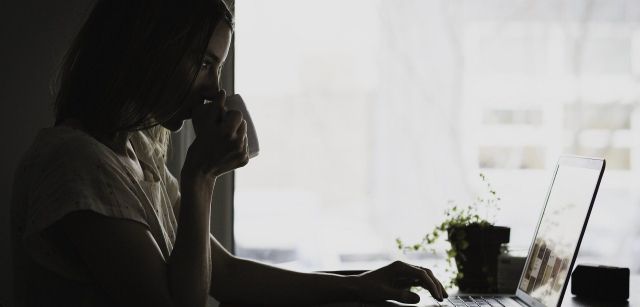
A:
479,301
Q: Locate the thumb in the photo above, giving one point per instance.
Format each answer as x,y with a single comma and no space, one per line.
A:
403,296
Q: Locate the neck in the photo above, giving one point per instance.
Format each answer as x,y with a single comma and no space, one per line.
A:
118,143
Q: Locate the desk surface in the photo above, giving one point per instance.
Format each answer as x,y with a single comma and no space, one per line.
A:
568,301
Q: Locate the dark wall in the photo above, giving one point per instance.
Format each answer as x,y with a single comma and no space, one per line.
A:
34,35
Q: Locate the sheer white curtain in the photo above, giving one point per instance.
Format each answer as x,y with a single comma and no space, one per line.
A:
373,114
418,122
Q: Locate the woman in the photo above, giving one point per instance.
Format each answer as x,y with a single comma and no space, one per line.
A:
97,218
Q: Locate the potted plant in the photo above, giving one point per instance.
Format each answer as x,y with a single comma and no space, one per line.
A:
475,242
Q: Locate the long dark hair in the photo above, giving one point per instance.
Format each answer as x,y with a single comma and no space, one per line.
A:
132,60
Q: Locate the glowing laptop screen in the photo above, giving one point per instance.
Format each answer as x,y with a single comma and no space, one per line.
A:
558,233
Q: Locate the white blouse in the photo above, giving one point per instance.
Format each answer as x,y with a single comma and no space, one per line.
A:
67,170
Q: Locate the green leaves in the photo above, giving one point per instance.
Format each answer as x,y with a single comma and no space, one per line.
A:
457,217
399,244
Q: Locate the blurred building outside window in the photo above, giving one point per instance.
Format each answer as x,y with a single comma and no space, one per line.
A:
373,114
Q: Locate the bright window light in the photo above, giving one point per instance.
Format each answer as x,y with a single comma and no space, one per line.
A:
373,115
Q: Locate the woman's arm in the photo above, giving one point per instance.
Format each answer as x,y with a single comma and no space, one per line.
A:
189,266
237,280
125,261
243,281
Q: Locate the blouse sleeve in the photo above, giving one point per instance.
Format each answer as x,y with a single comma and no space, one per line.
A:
70,180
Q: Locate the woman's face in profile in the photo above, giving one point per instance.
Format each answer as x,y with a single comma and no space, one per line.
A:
206,84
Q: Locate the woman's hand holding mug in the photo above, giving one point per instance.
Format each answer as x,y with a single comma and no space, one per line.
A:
221,142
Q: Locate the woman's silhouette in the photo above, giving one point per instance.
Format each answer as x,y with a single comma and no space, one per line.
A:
98,220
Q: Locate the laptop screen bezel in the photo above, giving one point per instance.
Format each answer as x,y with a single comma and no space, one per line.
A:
572,161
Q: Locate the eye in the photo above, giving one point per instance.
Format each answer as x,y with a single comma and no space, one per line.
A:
205,65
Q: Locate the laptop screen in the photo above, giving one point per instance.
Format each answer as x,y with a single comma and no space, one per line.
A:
559,231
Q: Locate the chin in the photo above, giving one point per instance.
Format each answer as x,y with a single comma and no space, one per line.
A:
174,126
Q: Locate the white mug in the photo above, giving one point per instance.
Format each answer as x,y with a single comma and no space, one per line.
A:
235,102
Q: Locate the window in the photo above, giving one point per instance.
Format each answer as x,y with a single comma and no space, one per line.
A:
372,115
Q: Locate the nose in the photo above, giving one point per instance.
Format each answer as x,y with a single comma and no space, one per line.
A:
209,84
211,91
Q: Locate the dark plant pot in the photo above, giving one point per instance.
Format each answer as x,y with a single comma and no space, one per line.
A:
477,247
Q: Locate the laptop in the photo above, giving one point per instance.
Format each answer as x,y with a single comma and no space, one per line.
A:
556,240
